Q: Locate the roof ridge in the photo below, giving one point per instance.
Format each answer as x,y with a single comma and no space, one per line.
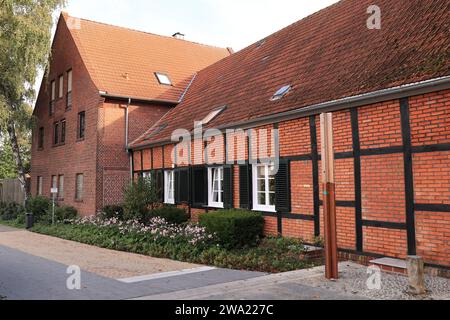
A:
66,14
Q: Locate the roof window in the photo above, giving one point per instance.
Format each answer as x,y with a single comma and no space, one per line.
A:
281,93
212,115
163,79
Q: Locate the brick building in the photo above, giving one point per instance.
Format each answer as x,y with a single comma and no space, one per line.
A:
105,86
389,92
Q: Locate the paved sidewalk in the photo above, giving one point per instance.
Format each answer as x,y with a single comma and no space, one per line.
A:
27,277
283,286
107,263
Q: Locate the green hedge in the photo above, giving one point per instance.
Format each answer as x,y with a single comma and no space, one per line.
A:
113,211
170,214
10,211
234,228
38,206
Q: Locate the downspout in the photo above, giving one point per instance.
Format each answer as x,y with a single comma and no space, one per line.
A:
127,124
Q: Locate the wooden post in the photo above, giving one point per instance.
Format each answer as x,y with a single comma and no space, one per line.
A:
329,196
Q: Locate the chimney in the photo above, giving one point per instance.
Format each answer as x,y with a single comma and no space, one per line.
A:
178,35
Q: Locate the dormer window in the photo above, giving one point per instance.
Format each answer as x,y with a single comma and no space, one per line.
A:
281,93
163,79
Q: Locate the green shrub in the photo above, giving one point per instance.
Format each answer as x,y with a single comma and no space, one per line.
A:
113,211
38,206
139,199
170,214
62,214
10,211
234,228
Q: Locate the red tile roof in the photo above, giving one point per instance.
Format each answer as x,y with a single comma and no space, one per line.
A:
326,56
113,54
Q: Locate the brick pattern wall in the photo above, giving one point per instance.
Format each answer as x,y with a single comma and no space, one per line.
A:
382,176
75,156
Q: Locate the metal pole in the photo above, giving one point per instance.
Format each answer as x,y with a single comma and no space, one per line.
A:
329,197
53,209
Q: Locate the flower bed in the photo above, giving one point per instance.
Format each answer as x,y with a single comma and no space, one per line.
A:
188,243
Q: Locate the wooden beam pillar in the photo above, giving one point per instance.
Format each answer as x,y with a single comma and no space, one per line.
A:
329,197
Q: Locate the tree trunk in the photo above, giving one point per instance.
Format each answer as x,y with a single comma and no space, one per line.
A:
17,156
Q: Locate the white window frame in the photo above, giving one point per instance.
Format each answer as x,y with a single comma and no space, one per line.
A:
211,178
267,207
69,81
61,86
53,91
61,186
169,183
40,183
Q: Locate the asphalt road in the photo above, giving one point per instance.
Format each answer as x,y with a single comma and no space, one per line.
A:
27,277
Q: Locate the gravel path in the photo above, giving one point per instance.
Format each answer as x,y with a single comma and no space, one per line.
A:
393,287
107,263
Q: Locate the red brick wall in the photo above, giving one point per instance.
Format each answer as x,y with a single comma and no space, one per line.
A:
75,156
101,156
382,177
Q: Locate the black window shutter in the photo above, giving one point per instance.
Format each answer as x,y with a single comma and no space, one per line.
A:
283,187
228,187
245,186
160,184
181,185
199,186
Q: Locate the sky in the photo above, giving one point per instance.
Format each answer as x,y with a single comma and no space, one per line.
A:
223,23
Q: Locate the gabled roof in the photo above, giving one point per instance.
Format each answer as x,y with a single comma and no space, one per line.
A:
123,62
327,56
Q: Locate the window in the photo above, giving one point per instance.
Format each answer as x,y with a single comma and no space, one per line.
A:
81,125
52,97
79,187
39,186
69,90
54,183
215,187
264,187
56,133
61,187
163,79
281,93
63,131
41,138
212,115
169,187
147,176
61,86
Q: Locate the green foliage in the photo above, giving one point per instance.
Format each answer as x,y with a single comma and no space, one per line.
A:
140,198
10,211
25,40
170,214
62,215
113,211
38,206
234,228
272,255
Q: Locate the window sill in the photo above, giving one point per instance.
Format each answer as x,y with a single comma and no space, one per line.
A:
79,201
264,209
81,140
40,149
59,145
216,206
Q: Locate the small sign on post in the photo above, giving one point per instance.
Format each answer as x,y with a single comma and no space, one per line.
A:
329,196
54,192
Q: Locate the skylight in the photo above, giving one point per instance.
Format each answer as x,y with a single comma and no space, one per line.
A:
163,79
213,114
281,93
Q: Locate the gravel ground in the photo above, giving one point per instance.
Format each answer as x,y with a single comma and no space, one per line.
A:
107,263
393,287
